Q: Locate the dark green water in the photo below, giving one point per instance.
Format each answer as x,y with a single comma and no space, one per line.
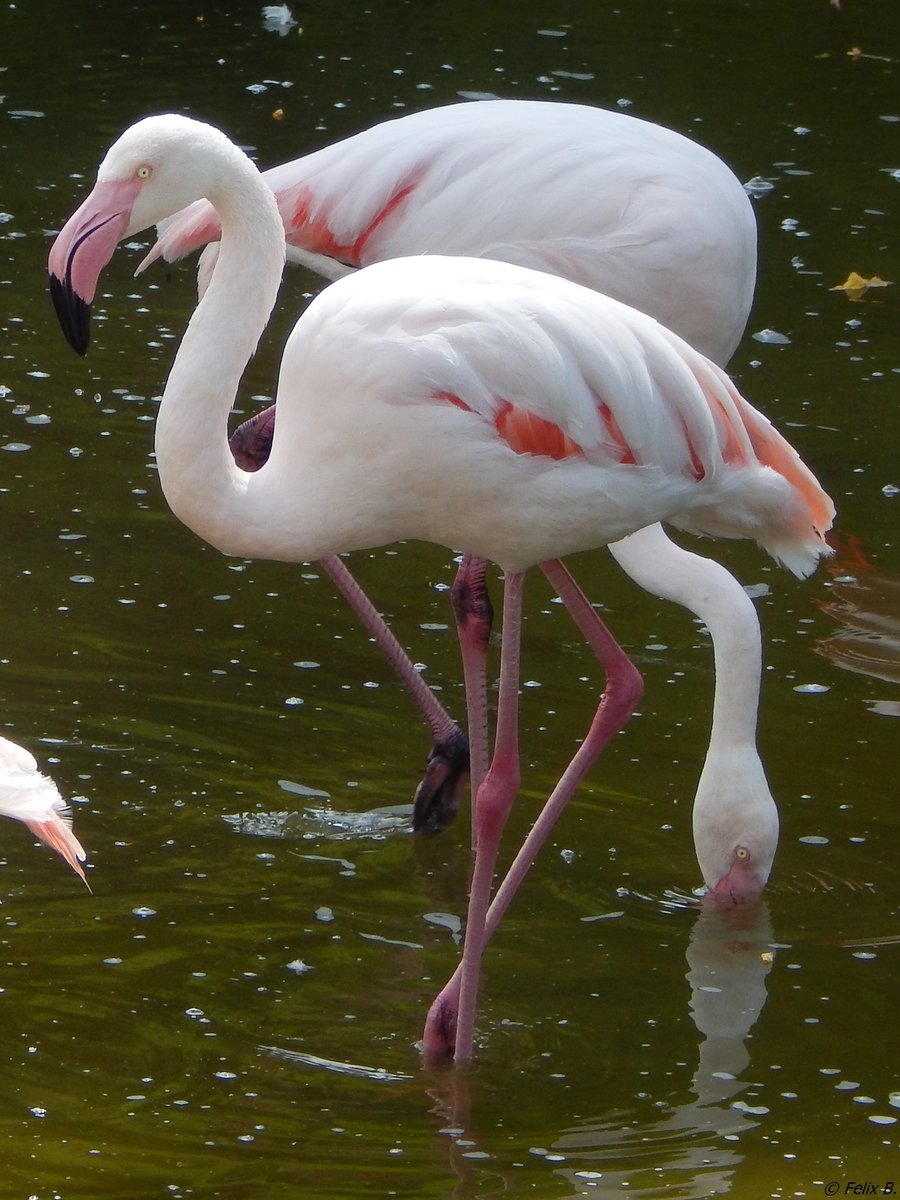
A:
234,1012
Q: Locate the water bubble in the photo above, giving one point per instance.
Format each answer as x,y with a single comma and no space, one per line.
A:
758,186
298,966
445,921
771,337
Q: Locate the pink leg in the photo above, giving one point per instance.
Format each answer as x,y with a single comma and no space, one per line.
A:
437,796
474,617
624,688
492,807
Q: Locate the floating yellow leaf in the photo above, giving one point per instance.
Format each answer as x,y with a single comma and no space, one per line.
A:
856,286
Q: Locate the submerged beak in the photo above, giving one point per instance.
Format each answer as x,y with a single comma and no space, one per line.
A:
741,885
82,249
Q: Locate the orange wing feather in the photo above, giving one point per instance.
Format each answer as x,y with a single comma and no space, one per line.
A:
316,236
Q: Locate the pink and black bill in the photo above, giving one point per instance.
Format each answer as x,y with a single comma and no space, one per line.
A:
73,314
82,248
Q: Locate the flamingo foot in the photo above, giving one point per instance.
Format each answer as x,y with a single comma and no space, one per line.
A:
439,1038
437,796
251,442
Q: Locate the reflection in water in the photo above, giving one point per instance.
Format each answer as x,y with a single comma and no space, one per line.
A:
866,604
695,1147
728,960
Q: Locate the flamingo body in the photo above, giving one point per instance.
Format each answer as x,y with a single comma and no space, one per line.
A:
32,798
615,203
516,417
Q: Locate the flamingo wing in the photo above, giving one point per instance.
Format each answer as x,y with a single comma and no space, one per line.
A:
495,359
521,351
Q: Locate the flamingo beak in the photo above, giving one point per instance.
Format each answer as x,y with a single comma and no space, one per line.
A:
56,834
83,247
741,885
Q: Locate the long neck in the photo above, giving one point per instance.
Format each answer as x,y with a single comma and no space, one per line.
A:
711,593
199,478
734,817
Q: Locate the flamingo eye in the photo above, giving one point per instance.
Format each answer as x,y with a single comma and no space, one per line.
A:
741,853
144,172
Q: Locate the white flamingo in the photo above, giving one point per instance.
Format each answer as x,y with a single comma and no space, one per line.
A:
472,403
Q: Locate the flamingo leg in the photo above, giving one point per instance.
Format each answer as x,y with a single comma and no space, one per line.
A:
624,688
492,806
474,616
437,796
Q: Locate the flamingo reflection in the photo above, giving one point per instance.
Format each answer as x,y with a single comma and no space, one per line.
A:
729,957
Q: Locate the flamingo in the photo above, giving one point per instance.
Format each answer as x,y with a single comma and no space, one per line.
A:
618,204
621,205
32,798
472,403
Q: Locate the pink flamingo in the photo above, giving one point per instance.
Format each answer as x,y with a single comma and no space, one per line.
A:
618,204
480,405
615,203
32,798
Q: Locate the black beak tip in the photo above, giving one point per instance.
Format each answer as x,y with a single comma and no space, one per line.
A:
73,314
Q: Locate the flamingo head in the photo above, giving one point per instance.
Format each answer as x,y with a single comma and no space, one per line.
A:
735,826
157,167
743,881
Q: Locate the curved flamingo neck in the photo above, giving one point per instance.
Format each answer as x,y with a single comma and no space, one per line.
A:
704,587
735,820
199,478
